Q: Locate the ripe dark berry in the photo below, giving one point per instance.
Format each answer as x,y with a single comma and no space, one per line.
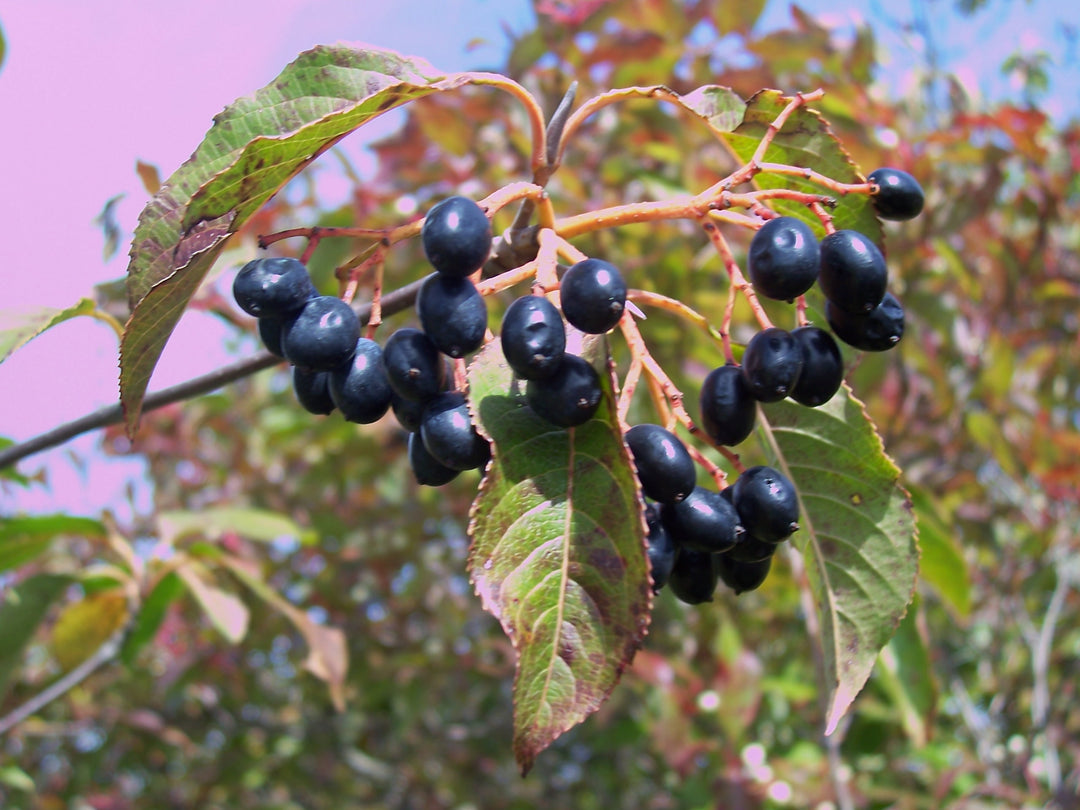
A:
899,195
426,469
664,466
767,503
772,364
742,576
533,337
877,331
457,236
702,521
270,331
660,548
272,288
414,367
360,389
449,434
452,313
784,258
823,367
593,296
728,407
570,396
853,272
693,576
322,336
312,389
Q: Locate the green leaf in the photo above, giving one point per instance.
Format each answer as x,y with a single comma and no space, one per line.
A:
24,538
805,141
85,625
857,533
16,778
558,554
906,674
151,614
216,522
942,565
224,610
19,327
721,107
253,148
23,608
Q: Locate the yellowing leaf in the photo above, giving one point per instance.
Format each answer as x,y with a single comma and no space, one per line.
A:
84,626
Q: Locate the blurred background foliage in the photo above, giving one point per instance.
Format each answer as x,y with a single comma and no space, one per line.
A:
972,705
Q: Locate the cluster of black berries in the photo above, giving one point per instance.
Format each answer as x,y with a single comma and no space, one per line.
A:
698,536
784,261
334,368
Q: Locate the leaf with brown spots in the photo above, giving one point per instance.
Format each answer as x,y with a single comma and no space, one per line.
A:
255,146
558,553
857,534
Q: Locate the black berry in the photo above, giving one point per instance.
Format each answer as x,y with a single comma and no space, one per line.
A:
427,470
323,335
414,367
767,503
772,364
570,396
272,288
360,389
742,576
823,367
312,389
457,236
899,195
449,434
270,331
660,548
452,313
664,466
533,337
853,272
593,296
728,407
877,331
693,576
784,258
703,521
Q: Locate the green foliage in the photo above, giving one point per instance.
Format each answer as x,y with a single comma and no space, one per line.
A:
17,328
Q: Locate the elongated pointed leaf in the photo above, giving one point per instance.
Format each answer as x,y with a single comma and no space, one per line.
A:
214,522
805,141
557,555
19,327
857,533
254,147
22,609
87,624
24,538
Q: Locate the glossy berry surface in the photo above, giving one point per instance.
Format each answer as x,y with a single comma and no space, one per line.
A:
414,366
427,470
456,236
823,367
771,364
664,466
767,503
449,434
533,337
660,549
272,288
703,521
323,335
853,273
899,194
742,576
783,259
728,407
312,389
453,314
593,296
360,389
693,576
877,331
570,396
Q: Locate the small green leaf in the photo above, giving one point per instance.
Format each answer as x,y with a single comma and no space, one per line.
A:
721,107
253,148
942,564
558,554
805,141
224,610
24,538
19,327
907,676
16,778
85,625
151,614
218,521
22,609
857,533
